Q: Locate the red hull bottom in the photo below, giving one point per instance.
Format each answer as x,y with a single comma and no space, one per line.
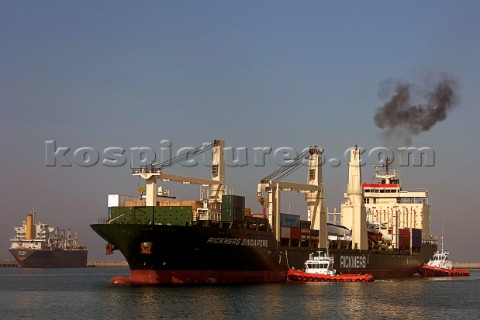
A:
293,275
152,277
429,271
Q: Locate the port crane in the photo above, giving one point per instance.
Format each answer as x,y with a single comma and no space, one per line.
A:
154,172
313,190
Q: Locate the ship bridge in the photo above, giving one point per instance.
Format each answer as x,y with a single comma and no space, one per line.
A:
392,208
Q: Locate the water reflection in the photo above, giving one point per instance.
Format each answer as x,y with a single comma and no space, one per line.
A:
82,295
383,299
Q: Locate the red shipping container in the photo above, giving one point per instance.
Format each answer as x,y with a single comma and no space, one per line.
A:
404,242
295,233
404,233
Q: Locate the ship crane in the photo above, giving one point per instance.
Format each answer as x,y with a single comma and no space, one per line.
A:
313,190
155,171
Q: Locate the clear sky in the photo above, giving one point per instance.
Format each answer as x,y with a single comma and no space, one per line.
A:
253,73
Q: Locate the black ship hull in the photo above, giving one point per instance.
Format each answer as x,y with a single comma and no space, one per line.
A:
198,254
28,258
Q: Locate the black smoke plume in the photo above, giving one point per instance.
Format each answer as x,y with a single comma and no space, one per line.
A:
401,117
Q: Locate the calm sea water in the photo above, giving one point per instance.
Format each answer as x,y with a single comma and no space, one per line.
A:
85,294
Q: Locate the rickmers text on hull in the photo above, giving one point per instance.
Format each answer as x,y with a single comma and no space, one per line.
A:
218,240
38,245
320,269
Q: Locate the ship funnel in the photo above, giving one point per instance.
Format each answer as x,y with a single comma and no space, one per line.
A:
29,232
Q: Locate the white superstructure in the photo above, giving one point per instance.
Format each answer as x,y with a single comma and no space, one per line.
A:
40,236
391,208
321,264
440,259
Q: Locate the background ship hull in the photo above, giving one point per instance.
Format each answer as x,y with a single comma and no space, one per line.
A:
196,254
27,258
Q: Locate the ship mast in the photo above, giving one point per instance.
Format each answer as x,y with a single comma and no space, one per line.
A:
387,176
443,223
353,212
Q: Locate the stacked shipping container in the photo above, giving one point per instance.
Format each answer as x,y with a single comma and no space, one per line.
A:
165,215
290,226
416,239
305,229
233,208
404,238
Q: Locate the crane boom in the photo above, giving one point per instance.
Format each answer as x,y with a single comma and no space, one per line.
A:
217,183
313,190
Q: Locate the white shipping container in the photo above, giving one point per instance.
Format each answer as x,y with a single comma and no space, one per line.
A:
113,200
285,232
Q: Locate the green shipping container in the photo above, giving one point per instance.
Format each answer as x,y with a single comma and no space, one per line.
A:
175,215
122,215
231,201
230,215
142,215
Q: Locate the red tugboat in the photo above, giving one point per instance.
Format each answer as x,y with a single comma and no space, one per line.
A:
440,266
320,269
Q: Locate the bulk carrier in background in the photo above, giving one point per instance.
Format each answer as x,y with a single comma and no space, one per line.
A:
383,230
38,245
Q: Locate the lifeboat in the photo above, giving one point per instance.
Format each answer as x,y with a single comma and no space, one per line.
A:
320,269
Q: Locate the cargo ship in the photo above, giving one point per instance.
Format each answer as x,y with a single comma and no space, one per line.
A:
38,245
216,239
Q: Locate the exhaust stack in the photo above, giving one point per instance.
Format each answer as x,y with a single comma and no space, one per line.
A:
29,231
